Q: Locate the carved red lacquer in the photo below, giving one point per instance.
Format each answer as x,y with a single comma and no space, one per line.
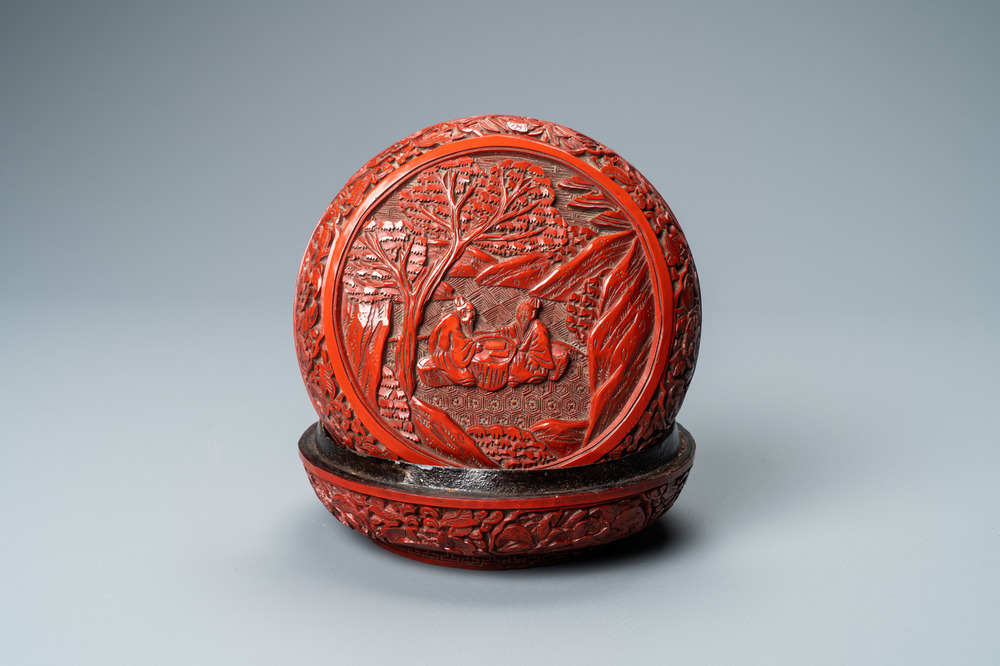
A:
484,538
499,522
497,292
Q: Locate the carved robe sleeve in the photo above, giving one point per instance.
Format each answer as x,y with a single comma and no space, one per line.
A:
538,347
462,348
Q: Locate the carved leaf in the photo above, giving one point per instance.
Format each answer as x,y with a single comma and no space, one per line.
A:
618,171
561,438
357,188
587,530
545,526
309,317
434,136
515,537
445,437
462,520
629,521
452,544
481,125
601,252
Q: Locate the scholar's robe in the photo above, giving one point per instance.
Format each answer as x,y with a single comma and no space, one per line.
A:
451,352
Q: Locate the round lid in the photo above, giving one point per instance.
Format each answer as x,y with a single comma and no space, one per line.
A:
497,291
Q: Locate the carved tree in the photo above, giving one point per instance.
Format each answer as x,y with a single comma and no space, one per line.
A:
450,208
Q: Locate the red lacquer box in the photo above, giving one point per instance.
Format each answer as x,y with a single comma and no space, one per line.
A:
496,320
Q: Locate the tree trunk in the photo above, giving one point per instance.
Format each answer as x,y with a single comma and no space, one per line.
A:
413,317
406,350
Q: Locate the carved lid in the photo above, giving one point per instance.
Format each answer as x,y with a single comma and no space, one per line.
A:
497,291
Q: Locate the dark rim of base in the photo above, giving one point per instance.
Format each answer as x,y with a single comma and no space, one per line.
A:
654,461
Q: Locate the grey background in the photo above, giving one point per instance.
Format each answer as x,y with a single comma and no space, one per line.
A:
834,165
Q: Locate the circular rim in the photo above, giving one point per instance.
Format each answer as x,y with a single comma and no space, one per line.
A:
465,487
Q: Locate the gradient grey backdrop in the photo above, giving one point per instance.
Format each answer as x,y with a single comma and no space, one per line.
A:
835,168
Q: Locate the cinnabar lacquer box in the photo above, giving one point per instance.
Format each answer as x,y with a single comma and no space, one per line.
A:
496,320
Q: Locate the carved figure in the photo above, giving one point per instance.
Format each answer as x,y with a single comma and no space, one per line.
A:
521,353
451,348
536,358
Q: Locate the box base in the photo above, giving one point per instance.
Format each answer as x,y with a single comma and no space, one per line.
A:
496,518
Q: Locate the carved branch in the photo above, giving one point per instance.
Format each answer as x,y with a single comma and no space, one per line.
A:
433,218
523,211
376,247
465,200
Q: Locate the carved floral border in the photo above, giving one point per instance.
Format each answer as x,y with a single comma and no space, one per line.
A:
473,535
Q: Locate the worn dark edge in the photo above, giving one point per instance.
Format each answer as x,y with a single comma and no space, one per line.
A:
655,461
